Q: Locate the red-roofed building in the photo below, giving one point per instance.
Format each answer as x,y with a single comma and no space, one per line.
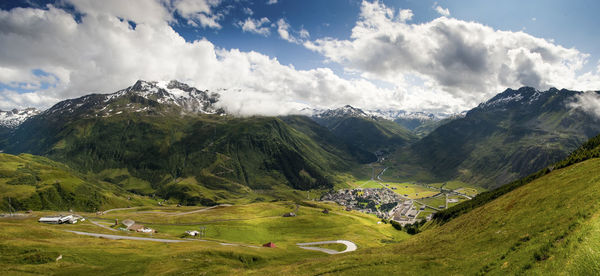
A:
269,244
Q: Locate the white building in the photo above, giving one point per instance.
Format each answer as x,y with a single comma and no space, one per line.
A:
59,219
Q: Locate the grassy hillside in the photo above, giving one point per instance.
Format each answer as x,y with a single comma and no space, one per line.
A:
501,140
329,141
147,153
232,245
546,227
37,183
590,149
367,133
538,228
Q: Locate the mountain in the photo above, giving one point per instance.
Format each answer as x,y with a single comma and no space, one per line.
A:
174,140
143,97
368,132
420,123
9,120
547,226
512,135
13,118
32,182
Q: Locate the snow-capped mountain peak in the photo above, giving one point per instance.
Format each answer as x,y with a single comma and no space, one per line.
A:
345,111
142,97
14,118
509,96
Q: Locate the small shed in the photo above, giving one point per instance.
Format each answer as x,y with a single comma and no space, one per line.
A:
135,227
128,222
269,244
290,214
193,233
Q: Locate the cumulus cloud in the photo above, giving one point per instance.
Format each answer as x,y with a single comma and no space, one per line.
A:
440,10
196,11
101,53
405,15
271,2
285,32
257,26
588,102
445,65
466,61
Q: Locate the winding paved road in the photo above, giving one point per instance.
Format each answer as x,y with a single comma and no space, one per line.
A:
115,237
350,246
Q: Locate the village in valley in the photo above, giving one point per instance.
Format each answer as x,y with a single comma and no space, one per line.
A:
404,203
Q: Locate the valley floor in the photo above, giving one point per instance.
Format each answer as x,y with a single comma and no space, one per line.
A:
233,239
549,226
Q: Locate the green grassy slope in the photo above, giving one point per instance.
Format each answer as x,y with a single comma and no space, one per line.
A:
502,140
34,182
149,153
231,245
367,133
539,227
590,149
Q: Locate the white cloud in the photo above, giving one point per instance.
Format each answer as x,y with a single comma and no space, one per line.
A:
248,11
442,11
466,61
303,33
154,12
271,2
444,65
196,11
405,15
102,54
257,26
588,102
285,32
139,11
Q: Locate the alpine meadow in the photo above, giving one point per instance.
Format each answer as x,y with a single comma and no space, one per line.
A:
281,137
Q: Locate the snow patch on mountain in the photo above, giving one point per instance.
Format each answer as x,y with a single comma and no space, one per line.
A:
14,118
173,93
345,111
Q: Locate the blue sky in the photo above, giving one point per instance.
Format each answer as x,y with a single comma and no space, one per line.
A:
378,59
568,23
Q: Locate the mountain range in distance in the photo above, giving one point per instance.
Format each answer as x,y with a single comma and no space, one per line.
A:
157,133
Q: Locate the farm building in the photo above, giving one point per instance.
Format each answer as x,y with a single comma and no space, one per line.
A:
60,219
128,222
269,244
140,228
192,233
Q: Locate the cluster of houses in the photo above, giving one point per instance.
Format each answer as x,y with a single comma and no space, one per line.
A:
404,212
407,212
62,219
364,200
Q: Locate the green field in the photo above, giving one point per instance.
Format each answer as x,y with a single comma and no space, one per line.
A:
532,230
234,235
547,227
412,191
